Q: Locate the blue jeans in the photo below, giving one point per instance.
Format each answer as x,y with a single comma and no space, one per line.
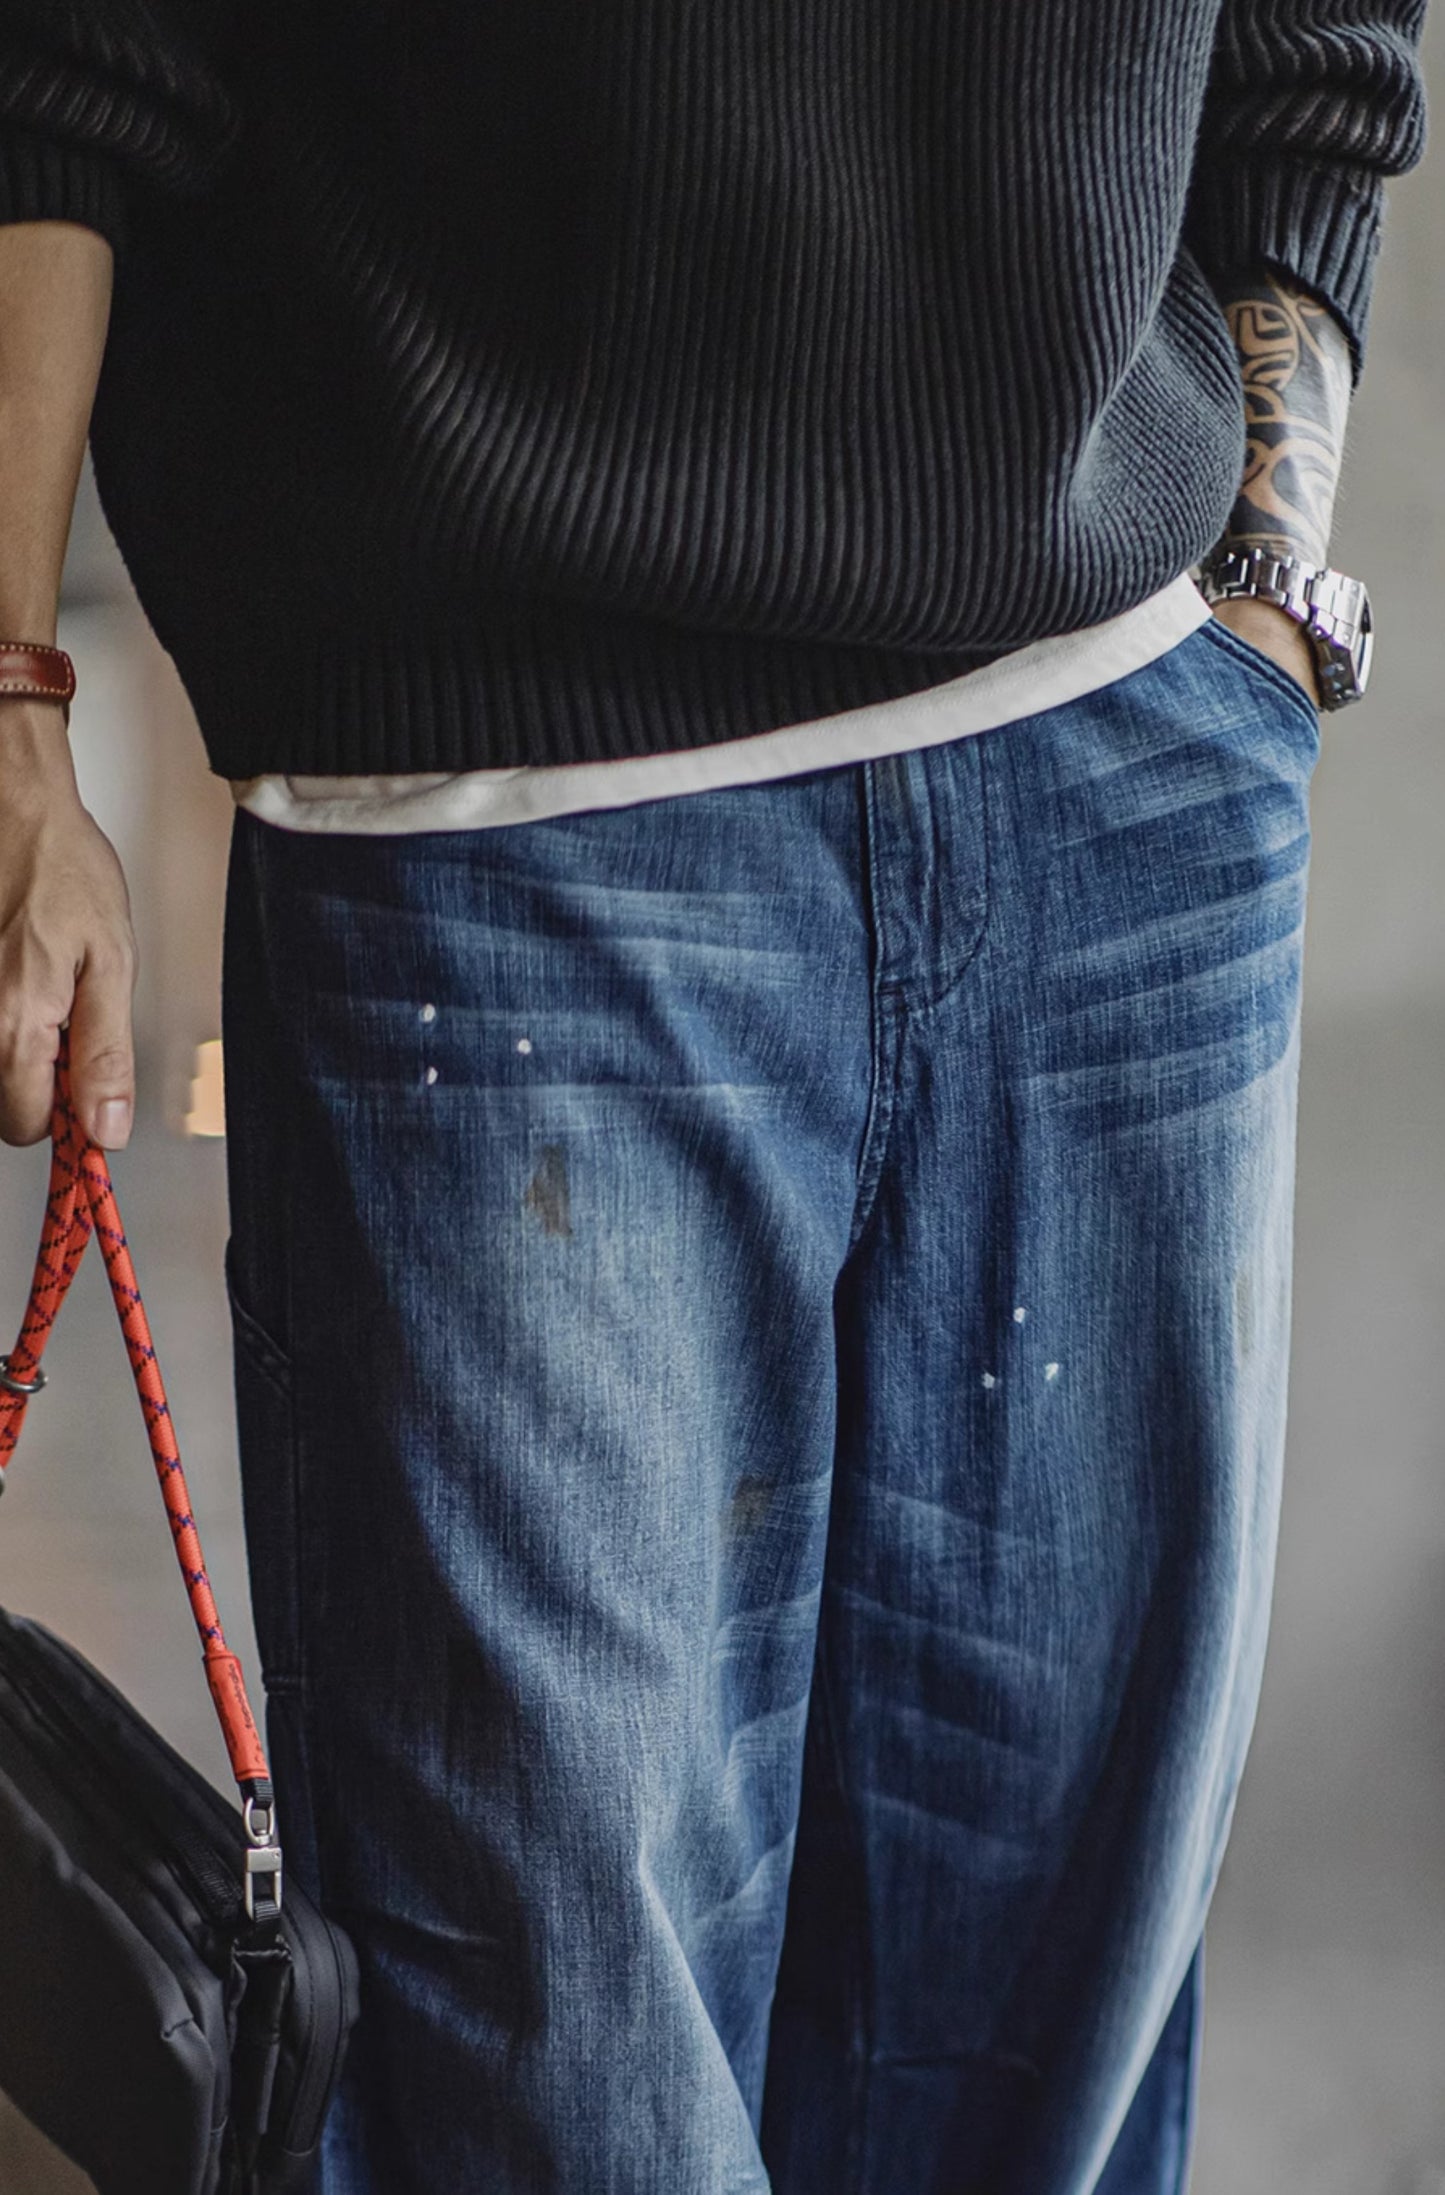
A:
761,1332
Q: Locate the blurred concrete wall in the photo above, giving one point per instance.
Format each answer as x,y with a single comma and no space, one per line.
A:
1377,915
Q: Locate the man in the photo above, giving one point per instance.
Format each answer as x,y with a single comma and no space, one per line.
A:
761,1002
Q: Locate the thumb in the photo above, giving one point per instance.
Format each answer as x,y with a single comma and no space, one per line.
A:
102,1057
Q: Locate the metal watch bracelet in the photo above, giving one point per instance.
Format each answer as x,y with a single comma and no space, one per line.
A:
1333,608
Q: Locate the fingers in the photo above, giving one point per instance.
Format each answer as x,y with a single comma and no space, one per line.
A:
102,1055
102,1058
67,954
27,1079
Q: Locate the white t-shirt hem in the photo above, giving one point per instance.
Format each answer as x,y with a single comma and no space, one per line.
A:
1023,683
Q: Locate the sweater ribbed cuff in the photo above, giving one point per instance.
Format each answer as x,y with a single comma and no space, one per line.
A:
44,181
1317,222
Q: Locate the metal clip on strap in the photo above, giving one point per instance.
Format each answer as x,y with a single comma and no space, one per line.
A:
263,1855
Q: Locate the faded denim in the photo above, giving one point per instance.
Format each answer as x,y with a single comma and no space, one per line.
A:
761,1327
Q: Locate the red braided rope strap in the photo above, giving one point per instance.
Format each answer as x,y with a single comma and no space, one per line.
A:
81,1201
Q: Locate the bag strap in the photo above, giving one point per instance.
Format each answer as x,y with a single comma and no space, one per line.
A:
81,1201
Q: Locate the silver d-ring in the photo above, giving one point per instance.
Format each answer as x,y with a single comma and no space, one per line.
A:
21,1386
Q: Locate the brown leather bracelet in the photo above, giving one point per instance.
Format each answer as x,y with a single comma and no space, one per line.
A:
31,672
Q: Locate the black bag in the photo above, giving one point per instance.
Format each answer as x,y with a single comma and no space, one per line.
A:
166,2019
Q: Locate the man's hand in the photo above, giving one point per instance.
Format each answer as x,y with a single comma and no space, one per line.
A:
1277,635
67,951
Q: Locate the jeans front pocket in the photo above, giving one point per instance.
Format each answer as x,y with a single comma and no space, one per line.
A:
1264,668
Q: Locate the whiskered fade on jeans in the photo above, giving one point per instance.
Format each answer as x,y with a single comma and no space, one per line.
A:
762,1323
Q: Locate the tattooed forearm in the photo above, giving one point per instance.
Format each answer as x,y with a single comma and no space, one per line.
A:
1295,361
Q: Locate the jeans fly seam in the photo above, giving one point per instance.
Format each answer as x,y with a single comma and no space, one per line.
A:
885,1014
889,1019
921,1003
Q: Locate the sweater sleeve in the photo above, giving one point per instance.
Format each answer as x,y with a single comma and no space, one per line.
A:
1310,105
98,97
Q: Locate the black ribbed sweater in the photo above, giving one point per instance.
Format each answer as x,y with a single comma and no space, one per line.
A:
558,380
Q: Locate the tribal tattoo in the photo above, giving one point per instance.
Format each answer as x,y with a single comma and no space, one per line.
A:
1295,359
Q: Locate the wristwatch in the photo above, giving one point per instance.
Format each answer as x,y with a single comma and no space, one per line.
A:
1333,609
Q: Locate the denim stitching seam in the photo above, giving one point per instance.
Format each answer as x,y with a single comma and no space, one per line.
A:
859,2059
921,1003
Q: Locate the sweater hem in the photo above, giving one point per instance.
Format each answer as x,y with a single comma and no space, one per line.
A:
528,693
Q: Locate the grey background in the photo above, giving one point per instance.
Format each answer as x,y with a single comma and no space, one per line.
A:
1323,2054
